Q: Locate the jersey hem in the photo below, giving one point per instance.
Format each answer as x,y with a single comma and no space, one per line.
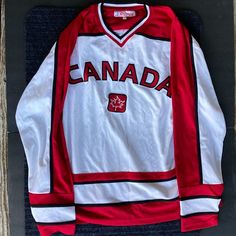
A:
129,214
151,220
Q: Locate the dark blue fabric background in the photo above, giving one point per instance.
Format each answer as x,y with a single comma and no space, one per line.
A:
42,27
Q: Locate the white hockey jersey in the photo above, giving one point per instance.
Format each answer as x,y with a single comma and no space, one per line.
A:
121,124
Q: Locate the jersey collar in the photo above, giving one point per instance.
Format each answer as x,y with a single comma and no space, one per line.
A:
113,35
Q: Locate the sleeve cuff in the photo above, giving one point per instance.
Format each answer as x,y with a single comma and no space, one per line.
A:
67,228
199,221
199,212
54,218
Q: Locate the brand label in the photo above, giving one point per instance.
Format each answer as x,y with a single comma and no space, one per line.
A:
124,14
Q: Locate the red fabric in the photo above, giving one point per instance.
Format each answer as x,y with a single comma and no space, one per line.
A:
184,108
158,23
51,199
48,230
206,189
62,179
129,214
115,22
123,175
198,222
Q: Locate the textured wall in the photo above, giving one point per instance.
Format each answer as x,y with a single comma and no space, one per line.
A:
4,227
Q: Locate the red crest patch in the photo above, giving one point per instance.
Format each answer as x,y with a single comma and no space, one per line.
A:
117,102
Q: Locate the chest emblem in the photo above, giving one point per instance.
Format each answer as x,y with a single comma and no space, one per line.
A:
117,102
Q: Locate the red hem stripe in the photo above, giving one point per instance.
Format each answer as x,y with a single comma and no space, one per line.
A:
109,176
129,214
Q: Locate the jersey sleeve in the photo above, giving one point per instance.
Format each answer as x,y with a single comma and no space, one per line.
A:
38,118
199,130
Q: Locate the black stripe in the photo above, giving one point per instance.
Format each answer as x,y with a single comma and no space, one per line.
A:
200,196
123,180
52,115
130,29
50,205
201,213
196,110
56,223
91,34
153,37
125,203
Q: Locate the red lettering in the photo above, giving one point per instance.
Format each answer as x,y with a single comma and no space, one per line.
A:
75,81
106,68
155,78
165,84
89,70
130,73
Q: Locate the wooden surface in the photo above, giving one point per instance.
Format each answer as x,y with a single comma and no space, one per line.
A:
4,223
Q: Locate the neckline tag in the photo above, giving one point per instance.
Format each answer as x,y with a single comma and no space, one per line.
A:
124,14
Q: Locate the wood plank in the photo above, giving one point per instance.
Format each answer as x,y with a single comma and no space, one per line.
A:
4,210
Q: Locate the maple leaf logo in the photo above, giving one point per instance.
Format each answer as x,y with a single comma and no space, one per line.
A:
117,103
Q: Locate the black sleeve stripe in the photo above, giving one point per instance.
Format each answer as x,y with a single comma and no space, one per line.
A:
196,109
201,213
52,115
56,223
200,196
52,205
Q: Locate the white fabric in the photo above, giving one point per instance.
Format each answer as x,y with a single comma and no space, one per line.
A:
53,214
33,118
211,121
199,205
135,145
124,191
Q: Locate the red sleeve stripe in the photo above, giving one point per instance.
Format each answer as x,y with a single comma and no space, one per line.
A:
184,100
51,199
61,176
205,190
66,228
201,221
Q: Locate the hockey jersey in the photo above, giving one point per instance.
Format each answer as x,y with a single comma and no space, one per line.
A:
121,124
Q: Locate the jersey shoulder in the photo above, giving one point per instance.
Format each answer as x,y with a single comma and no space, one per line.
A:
159,22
